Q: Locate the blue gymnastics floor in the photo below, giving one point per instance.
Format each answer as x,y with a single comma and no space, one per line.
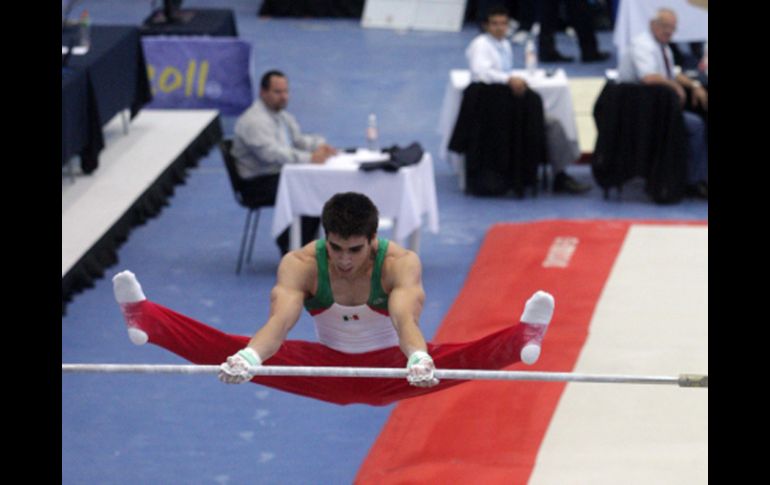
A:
191,429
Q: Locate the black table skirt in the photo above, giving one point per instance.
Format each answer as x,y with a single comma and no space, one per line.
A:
74,113
116,79
312,8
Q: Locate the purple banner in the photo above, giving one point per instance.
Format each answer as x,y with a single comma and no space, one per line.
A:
199,73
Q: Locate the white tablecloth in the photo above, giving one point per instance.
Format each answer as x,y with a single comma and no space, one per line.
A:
634,17
404,196
554,90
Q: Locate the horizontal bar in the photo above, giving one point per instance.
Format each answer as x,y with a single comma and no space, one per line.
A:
683,380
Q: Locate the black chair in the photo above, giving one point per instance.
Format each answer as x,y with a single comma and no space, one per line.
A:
640,133
247,200
502,137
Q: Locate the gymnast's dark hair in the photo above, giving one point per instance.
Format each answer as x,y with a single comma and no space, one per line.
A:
349,214
265,81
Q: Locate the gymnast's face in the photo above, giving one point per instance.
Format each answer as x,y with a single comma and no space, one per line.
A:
348,256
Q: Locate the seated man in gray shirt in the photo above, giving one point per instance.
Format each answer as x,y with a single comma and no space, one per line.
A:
267,137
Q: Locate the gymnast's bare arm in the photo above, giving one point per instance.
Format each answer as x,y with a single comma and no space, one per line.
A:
402,279
297,275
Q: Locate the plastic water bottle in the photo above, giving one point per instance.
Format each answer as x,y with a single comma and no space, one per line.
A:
371,134
530,57
84,29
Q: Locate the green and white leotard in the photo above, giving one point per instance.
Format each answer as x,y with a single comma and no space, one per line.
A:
352,329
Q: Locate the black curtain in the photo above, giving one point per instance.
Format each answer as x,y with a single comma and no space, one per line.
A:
312,8
641,133
502,137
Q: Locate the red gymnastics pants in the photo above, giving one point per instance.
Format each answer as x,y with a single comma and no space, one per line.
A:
205,345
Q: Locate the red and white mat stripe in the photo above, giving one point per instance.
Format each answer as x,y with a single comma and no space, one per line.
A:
630,298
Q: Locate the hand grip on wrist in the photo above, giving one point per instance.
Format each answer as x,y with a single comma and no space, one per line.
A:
239,367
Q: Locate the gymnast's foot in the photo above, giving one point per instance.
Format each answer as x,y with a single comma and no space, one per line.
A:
535,319
128,292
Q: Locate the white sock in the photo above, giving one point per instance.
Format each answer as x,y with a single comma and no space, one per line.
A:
126,288
137,337
530,353
538,309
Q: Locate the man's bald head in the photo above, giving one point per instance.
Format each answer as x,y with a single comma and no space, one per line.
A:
663,25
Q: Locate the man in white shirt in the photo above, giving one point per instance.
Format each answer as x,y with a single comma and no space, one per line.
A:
649,60
490,58
266,138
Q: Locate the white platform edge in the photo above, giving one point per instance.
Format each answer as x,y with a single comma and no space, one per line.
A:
128,165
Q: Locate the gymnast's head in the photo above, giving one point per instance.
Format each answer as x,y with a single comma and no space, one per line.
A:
350,214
